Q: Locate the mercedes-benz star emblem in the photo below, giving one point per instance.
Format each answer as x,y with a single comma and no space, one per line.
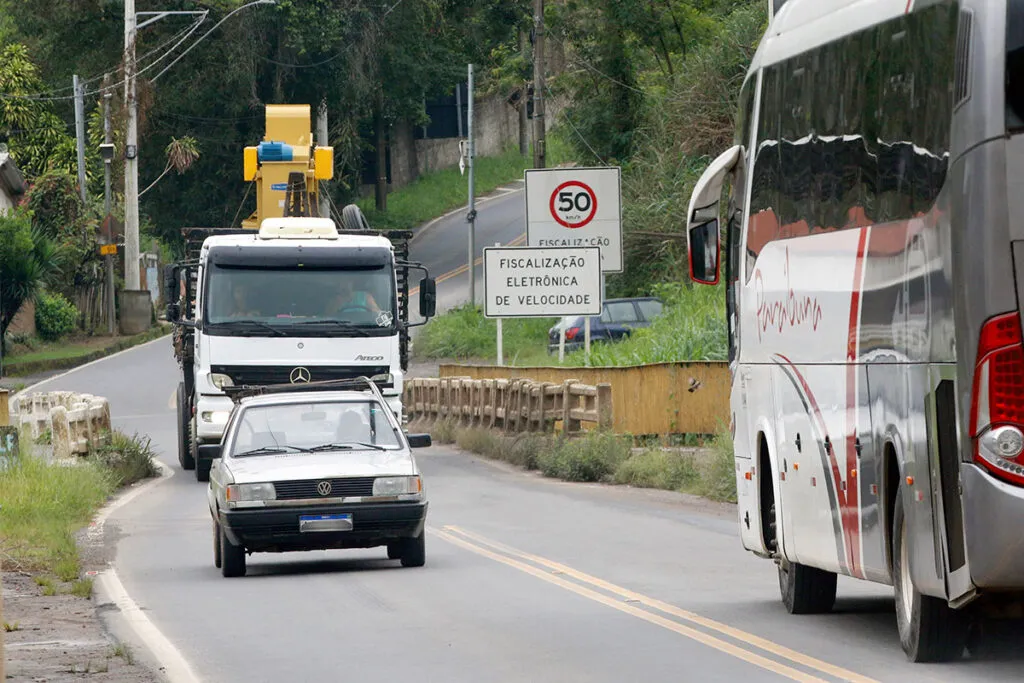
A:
323,488
299,375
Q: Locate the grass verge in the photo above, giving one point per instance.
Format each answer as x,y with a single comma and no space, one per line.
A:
435,194
605,457
66,355
45,504
692,327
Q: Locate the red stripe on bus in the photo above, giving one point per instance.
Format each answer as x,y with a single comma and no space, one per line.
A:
851,508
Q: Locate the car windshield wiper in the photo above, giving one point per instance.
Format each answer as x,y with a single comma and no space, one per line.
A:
239,324
271,450
346,326
346,446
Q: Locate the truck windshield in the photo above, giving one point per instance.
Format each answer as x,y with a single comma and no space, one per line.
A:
297,300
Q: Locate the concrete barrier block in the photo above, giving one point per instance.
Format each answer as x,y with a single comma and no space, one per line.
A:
61,432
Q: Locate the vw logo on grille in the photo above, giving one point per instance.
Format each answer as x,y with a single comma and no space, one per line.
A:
299,375
324,488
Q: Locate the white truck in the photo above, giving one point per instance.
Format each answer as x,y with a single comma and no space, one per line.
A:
296,301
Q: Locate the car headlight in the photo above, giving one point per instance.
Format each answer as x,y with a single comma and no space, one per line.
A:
397,486
241,493
221,380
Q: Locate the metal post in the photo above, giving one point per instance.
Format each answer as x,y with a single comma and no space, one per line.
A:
539,155
501,336
108,138
80,136
471,216
323,140
524,120
586,340
132,280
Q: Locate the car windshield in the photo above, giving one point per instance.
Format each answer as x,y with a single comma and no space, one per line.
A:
298,428
268,301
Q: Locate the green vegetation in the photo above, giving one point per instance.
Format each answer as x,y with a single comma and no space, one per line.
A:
45,504
56,317
30,356
691,328
604,457
28,262
435,194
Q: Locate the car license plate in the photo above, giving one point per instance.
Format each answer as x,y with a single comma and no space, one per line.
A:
325,523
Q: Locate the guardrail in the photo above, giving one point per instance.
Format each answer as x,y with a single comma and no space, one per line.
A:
654,399
76,423
515,405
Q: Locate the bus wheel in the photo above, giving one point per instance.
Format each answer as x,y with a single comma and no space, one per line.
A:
929,630
806,590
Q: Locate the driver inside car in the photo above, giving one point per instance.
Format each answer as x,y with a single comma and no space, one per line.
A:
349,298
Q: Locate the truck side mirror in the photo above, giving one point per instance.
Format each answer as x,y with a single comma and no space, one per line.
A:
173,312
171,292
428,297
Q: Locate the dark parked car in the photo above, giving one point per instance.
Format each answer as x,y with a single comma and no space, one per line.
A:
618,318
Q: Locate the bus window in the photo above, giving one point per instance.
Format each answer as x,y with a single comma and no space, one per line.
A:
1014,66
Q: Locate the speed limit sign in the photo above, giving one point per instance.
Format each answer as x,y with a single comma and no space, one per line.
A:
576,207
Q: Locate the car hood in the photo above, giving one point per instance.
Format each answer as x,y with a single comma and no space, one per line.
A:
329,465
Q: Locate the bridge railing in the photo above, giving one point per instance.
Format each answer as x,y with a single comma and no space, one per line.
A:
514,405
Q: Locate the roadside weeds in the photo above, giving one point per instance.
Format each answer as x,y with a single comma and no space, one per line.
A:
605,458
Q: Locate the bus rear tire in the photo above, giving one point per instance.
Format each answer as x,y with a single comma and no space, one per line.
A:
929,630
806,590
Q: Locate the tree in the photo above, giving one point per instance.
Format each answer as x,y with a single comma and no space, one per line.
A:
28,261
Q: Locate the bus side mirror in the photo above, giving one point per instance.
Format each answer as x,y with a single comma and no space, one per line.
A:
702,234
703,252
428,297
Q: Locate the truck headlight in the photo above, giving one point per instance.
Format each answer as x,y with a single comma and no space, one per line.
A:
240,493
215,416
387,379
221,380
397,486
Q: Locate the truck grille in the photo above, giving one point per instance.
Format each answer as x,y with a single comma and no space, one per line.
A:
281,374
340,488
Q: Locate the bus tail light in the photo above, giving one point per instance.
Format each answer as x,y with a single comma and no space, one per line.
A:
997,399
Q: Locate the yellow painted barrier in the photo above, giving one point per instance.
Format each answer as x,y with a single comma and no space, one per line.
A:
660,398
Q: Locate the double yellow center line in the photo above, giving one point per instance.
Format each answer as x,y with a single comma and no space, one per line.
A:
740,644
463,268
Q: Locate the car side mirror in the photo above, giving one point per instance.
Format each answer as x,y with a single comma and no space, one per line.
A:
210,451
419,440
428,297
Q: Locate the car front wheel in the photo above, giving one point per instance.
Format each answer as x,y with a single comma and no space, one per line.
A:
232,557
216,545
414,551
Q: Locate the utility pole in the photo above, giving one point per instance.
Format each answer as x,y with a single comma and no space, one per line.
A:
524,119
539,153
80,136
108,158
323,141
132,281
471,216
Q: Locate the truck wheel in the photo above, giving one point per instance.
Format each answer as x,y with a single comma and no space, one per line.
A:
352,218
414,551
929,630
232,557
806,590
202,468
216,545
185,458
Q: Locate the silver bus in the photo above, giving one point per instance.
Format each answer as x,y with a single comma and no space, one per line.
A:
874,261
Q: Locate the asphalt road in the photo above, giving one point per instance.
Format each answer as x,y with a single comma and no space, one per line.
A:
526,580
443,245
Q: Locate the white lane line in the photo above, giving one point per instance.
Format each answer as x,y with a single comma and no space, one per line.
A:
83,367
174,665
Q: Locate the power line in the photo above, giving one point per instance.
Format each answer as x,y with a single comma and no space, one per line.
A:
579,134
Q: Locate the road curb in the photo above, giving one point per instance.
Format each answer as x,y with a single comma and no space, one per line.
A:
30,368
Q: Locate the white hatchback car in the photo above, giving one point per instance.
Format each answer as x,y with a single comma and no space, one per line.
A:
306,469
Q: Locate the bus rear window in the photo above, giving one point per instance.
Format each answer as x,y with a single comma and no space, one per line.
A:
1015,65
